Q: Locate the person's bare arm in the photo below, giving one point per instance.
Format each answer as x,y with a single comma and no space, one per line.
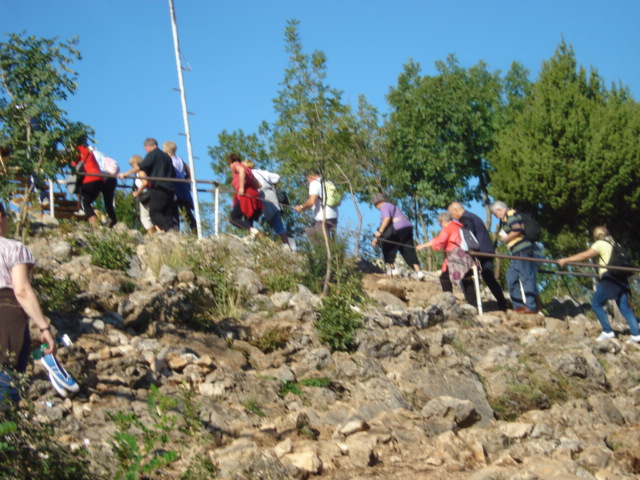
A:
29,302
241,176
578,257
134,169
311,201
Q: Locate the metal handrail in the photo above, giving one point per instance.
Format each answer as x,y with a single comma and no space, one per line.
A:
545,260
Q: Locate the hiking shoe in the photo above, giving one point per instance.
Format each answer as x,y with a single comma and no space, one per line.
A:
393,272
418,276
633,339
605,336
58,375
59,388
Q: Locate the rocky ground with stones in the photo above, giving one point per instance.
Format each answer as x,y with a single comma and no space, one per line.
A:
432,390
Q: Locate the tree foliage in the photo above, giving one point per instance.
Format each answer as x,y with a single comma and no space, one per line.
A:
252,146
311,129
35,77
440,131
571,155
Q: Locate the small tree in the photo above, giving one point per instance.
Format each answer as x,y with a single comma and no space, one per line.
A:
35,76
311,130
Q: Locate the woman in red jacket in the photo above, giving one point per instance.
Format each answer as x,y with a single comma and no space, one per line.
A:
246,201
91,186
457,263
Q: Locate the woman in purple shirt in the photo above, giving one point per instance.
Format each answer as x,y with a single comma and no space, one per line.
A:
401,241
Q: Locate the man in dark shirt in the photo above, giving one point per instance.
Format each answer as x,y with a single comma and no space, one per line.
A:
162,193
476,226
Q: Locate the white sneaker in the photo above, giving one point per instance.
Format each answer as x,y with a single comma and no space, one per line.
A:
418,275
633,339
605,336
393,272
253,232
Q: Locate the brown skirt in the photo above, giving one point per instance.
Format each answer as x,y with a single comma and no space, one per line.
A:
13,325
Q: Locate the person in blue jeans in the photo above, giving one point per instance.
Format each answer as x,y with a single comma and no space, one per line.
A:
520,271
611,287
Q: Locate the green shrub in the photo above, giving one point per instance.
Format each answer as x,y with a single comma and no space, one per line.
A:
346,278
338,323
294,387
272,339
252,405
137,446
29,449
127,287
128,210
319,382
289,387
200,468
223,298
54,294
193,423
110,250
279,270
280,282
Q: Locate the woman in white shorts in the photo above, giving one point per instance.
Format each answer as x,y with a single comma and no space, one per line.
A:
141,187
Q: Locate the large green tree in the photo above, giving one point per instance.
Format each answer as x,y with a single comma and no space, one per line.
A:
35,77
440,131
570,156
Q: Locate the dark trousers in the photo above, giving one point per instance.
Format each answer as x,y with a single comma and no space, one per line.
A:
467,286
89,193
401,242
161,207
314,232
238,218
108,194
186,207
490,279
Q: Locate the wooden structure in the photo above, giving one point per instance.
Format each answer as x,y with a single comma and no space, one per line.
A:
63,207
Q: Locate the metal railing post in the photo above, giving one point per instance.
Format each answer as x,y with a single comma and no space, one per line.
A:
476,284
216,204
52,204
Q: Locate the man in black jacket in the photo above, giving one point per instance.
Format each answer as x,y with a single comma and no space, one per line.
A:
476,226
162,203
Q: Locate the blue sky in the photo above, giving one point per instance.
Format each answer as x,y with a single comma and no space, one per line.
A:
237,58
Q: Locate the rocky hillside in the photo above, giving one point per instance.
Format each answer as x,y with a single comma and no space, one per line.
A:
218,337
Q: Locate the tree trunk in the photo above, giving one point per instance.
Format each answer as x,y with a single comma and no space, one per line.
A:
487,208
28,190
418,214
327,246
356,251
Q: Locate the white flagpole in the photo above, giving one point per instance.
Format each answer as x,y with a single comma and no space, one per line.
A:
185,117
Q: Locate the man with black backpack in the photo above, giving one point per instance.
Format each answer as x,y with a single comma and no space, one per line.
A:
614,284
475,225
522,274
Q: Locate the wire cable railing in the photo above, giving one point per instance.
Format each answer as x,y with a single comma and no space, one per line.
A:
218,189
